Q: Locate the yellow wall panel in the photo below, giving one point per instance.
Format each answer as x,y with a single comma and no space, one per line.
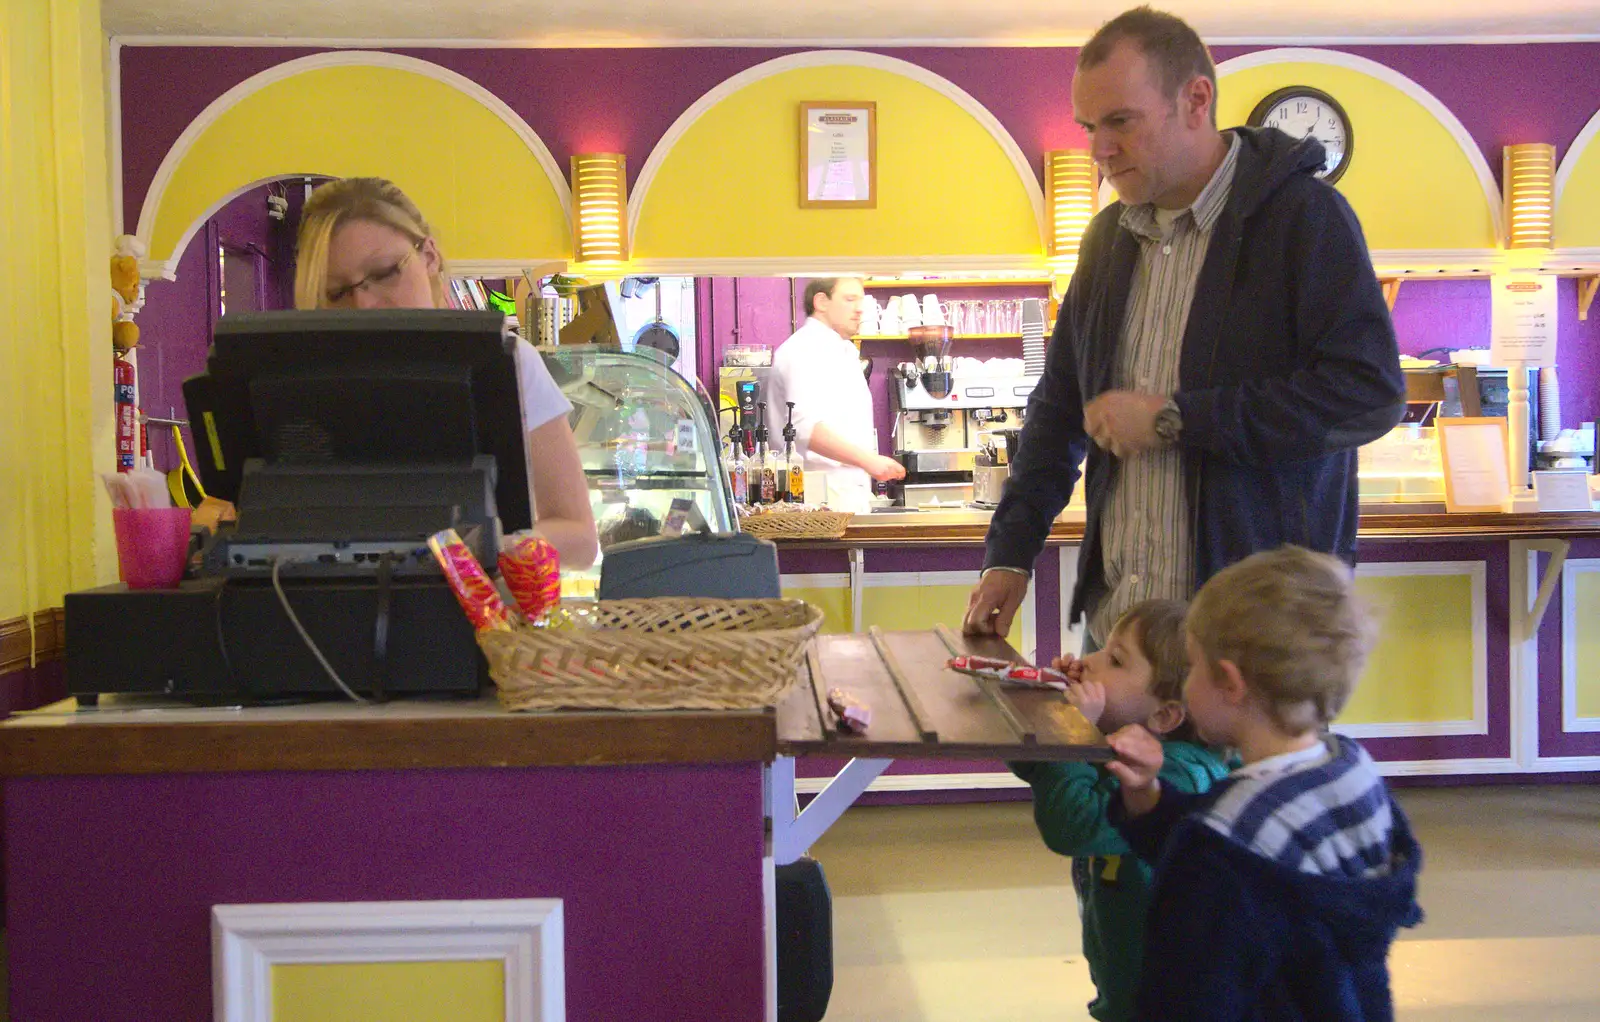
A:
56,426
729,187
1410,182
481,188
390,992
1578,213
910,608
835,604
1586,585
1422,668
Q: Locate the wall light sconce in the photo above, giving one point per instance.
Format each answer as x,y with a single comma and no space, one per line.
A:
1071,181
1530,194
599,208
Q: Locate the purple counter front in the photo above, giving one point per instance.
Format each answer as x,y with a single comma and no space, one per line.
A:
111,878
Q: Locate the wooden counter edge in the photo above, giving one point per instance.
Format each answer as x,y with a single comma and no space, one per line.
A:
1388,525
514,740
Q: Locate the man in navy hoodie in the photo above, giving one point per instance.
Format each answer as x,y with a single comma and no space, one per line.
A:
1224,344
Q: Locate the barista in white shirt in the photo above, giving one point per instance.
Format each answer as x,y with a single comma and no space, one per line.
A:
819,369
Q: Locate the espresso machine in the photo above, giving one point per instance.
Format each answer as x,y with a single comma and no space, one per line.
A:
949,427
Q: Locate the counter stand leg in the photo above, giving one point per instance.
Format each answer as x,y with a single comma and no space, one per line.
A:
858,581
794,836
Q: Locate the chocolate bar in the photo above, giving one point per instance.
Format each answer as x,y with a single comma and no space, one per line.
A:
1008,673
854,715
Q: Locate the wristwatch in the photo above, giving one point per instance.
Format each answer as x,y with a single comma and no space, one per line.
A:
1169,422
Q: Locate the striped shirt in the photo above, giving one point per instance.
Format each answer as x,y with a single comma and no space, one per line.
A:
1145,533
1324,810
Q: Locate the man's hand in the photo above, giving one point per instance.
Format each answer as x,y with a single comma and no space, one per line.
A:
1124,421
884,469
1090,699
1138,762
994,602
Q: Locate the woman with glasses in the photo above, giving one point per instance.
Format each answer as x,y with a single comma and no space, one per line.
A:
364,245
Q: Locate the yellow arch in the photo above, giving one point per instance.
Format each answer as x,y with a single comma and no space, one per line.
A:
486,183
1416,179
723,185
1578,191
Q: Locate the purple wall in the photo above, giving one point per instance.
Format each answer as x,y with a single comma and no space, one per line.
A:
1455,314
1501,93
178,316
110,880
625,100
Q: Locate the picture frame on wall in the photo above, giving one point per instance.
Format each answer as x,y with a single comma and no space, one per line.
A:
838,155
1473,452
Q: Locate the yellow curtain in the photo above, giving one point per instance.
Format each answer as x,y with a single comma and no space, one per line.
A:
55,305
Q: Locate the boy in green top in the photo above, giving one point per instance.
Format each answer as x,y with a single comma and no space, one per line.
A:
1136,679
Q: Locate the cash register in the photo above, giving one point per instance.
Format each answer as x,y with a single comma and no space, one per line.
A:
345,438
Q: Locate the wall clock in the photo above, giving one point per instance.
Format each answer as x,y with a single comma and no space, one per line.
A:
1302,111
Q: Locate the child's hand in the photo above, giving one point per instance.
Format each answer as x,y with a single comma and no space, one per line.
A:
1138,762
1090,699
1069,665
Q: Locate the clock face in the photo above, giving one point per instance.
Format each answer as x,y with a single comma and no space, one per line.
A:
1302,112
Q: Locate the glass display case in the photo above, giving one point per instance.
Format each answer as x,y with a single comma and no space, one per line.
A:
646,437
1403,467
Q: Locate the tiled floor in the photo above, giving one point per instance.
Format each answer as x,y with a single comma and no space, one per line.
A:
958,913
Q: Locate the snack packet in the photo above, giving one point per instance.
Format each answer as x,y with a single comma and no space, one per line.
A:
473,589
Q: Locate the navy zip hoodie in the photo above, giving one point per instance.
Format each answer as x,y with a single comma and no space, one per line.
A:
1234,936
1288,365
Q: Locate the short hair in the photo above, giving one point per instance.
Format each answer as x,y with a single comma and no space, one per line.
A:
1156,628
820,286
1291,621
1167,42
373,199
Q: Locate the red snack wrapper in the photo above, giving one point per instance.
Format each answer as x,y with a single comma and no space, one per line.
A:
532,570
854,715
472,587
1009,673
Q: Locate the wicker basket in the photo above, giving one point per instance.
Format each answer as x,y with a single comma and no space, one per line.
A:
797,524
656,654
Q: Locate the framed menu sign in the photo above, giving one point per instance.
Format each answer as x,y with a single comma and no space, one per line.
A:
839,155
1476,476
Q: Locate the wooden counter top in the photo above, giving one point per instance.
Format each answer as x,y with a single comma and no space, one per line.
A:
966,527
136,735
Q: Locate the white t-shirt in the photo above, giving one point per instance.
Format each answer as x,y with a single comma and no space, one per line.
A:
542,400
821,373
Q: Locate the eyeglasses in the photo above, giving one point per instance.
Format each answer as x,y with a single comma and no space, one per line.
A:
382,279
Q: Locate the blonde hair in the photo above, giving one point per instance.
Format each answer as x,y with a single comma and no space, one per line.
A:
1291,621
1156,628
373,199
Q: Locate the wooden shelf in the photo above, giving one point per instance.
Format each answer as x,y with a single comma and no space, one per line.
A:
957,337
959,282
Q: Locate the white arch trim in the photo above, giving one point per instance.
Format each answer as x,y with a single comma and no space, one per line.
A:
1388,75
833,58
288,69
1569,161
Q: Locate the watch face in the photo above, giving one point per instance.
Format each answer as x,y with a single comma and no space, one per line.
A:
1300,112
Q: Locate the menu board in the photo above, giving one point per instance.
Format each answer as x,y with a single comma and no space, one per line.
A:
1522,326
1476,476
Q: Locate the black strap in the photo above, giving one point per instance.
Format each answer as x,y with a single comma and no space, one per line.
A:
380,635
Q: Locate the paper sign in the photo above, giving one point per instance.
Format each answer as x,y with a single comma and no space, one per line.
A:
1522,326
1559,490
1474,454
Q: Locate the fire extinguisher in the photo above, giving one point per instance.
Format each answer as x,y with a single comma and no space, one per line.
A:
122,376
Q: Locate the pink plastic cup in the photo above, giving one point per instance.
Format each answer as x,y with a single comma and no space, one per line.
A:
152,545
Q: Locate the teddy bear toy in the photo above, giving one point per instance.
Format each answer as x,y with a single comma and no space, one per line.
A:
127,292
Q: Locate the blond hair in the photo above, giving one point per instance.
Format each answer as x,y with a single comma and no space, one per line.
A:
1156,628
353,198
1291,621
